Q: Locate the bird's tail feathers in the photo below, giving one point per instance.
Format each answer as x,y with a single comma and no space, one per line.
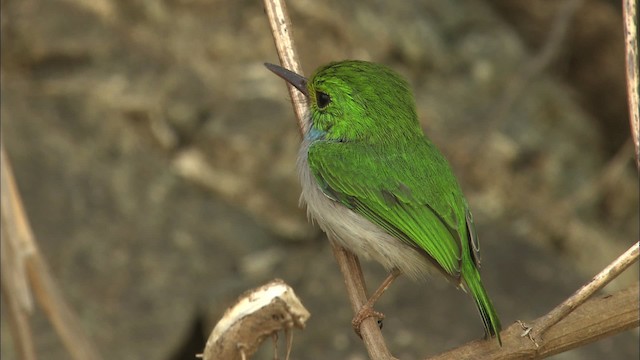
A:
485,307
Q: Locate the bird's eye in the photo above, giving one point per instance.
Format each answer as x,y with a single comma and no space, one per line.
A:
323,99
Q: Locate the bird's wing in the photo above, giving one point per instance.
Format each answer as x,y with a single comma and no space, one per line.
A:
414,197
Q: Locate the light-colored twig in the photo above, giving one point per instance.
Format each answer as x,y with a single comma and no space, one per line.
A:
629,9
348,262
592,321
282,36
573,323
16,313
586,291
15,249
29,271
356,288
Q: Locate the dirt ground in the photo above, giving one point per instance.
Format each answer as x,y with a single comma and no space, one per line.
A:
156,158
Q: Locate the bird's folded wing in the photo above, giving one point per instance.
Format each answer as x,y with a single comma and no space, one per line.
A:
399,193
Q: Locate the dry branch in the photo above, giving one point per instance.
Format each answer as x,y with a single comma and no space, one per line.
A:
586,291
25,269
17,314
257,314
630,8
282,35
349,265
594,320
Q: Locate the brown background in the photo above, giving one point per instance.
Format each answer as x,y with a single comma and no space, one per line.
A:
156,157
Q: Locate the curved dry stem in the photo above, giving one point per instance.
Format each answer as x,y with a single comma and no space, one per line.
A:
29,271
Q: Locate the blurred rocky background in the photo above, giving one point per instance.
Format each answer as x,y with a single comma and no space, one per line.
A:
156,158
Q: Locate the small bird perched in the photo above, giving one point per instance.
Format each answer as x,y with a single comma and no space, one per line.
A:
372,180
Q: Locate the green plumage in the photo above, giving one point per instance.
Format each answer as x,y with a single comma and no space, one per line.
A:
418,202
366,151
415,201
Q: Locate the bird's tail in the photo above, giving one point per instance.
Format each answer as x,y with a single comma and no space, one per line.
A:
485,307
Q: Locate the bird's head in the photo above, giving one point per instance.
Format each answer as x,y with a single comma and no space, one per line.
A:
357,101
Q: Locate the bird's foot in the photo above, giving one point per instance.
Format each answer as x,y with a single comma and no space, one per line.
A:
365,311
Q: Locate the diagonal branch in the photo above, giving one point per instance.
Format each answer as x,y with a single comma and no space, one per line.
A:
592,321
24,269
586,291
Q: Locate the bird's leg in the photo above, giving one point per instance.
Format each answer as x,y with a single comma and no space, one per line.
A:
366,310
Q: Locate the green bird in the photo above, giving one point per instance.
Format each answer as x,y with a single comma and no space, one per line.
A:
373,180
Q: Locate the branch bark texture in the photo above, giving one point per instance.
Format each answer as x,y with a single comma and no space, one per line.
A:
594,320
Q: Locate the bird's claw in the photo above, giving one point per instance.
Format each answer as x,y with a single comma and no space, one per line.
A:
365,312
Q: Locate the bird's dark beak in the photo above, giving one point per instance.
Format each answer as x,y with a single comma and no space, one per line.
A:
300,82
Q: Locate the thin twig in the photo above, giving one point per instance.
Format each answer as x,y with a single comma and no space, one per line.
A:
17,314
592,321
288,332
586,291
629,9
15,249
348,262
282,36
47,293
356,288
